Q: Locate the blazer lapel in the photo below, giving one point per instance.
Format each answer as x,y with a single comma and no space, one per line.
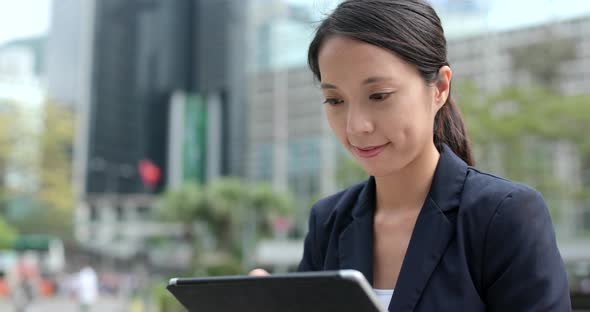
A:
432,233
355,245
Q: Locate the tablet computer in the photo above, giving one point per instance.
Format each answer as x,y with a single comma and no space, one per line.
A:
326,291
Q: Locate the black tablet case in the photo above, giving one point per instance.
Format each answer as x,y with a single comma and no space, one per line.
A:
308,292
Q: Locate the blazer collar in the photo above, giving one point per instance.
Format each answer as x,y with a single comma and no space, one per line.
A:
445,191
356,240
449,178
432,233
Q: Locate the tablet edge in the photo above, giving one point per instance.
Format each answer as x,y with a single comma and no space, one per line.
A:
360,278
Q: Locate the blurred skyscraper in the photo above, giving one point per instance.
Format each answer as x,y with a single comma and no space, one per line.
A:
64,41
136,55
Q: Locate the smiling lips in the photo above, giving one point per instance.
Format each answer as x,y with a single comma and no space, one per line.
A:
369,151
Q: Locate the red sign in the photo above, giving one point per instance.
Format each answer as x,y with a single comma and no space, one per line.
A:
150,173
282,225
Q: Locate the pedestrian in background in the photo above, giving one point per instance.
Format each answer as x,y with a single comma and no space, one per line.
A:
87,288
26,281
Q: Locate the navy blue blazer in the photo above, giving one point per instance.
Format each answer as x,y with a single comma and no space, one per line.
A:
480,243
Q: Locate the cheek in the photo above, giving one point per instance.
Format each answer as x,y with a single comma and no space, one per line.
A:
396,122
407,122
337,122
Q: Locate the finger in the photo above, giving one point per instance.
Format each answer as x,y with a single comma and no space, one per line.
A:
258,272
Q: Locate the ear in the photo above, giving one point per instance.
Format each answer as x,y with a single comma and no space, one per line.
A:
443,87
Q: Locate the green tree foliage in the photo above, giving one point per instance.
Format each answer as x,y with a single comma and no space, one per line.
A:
37,150
56,157
183,204
513,113
519,129
15,155
231,212
8,234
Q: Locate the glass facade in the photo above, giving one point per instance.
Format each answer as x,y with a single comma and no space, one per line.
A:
283,30
304,167
263,162
136,66
144,51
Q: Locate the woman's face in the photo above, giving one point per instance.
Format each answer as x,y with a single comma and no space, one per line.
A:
378,105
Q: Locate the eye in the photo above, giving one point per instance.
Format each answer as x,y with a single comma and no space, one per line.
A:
333,101
380,96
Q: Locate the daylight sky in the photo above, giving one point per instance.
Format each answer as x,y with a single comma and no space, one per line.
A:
23,18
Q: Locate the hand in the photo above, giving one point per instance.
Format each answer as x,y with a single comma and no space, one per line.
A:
258,272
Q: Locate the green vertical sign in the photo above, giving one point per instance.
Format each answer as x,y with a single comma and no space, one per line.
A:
195,139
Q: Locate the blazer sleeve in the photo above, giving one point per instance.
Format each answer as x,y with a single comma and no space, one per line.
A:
310,261
522,268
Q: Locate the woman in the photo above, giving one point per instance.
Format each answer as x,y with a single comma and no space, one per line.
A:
428,231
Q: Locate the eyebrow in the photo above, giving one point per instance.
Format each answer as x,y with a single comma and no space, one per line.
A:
369,80
376,79
324,85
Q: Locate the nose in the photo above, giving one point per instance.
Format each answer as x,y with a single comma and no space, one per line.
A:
358,121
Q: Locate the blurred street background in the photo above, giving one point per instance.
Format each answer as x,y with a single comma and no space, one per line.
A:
147,139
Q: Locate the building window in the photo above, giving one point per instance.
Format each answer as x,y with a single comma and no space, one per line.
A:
304,161
304,155
263,162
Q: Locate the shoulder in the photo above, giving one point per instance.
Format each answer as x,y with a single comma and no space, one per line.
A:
493,207
513,239
513,202
500,218
488,192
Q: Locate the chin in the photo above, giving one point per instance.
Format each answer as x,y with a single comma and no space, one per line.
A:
387,164
381,170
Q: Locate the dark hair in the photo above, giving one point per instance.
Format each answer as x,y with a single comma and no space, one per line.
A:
412,30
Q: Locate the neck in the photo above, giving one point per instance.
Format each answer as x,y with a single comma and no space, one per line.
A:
407,188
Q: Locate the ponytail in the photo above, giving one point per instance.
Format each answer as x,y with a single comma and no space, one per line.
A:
449,129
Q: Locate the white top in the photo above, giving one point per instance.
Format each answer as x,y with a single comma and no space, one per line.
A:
384,296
